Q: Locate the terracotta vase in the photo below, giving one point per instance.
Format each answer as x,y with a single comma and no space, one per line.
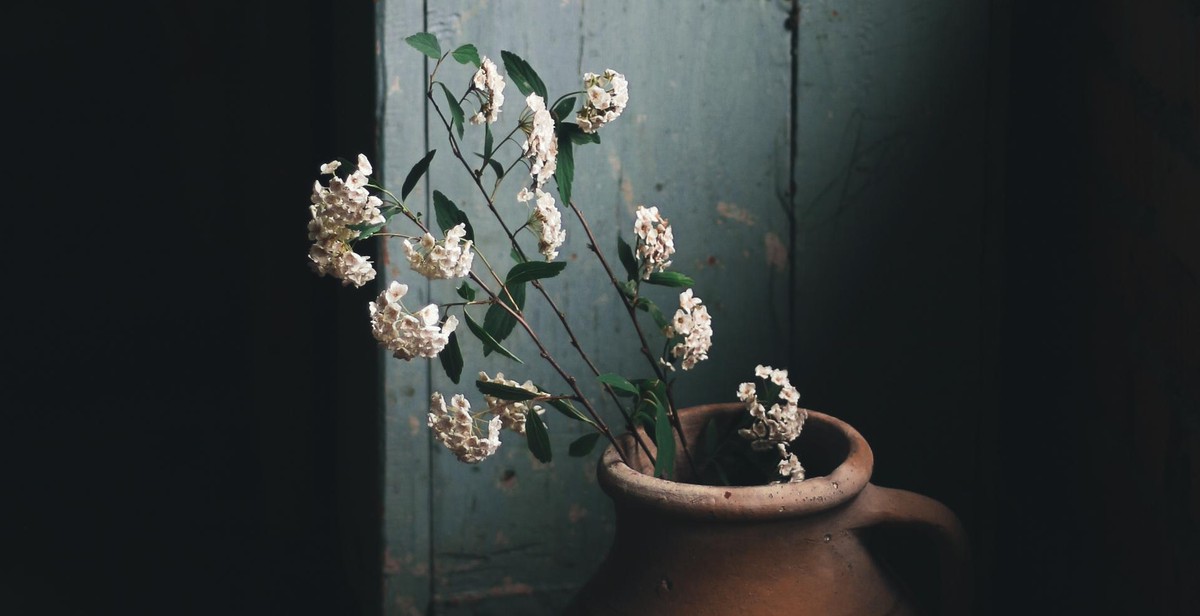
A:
792,548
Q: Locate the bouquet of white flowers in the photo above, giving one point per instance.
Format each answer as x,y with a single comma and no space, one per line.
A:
348,208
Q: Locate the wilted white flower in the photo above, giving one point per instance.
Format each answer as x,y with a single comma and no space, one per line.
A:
655,243
406,334
336,207
438,260
511,413
777,426
695,325
607,95
490,83
789,465
546,220
454,427
541,144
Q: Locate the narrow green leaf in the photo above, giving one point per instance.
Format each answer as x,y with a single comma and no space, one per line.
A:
516,256
671,279
627,259
538,440
566,408
456,110
497,321
497,168
648,306
570,131
466,292
564,173
366,230
619,384
425,43
505,392
563,109
467,54
452,359
583,445
449,216
487,142
414,175
533,270
489,343
523,75
664,438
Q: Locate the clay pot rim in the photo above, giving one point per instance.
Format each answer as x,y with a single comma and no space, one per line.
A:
629,487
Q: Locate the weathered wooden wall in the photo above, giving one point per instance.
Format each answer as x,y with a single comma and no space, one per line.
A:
813,176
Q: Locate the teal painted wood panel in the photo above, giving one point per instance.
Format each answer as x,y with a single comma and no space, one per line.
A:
706,141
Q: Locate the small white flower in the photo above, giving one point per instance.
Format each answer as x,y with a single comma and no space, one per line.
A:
511,413
655,243
524,196
490,84
778,425
746,392
541,144
406,334
440,260
330,167
335,208
695,325
789,465
454,427
607,95
546,221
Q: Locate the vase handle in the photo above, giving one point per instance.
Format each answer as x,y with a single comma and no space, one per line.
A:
876,506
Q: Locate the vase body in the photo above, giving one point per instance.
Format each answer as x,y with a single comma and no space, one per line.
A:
791,548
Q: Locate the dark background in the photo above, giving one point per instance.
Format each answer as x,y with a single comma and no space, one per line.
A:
175,438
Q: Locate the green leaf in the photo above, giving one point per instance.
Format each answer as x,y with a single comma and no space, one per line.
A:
489,343
425,43
583,445
523,75
536,437
563,109
414,175
456,110
619,384
497,168
670,279
466,292
516,255
570,131
467,54
452,359
566,408
660,319
487,143
505,392
366,230
664,438
627,259
449,216
533,270
498,321
564,173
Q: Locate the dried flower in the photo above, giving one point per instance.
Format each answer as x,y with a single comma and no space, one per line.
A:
439,260
541,144
511,412
406,334
775,427
655,243
454,427
546,221
607,95
490,84
695,325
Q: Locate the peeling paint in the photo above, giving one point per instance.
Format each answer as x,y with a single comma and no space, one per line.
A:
736,213
414,425
777,255
391,566
576,513
507,588
627,191
394,86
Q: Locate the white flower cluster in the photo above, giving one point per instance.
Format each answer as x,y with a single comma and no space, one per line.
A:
439,260
344,202
695,325
510,412
541,145
408,335
607,96
775,427
454,427
490,83
656,243
546,220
